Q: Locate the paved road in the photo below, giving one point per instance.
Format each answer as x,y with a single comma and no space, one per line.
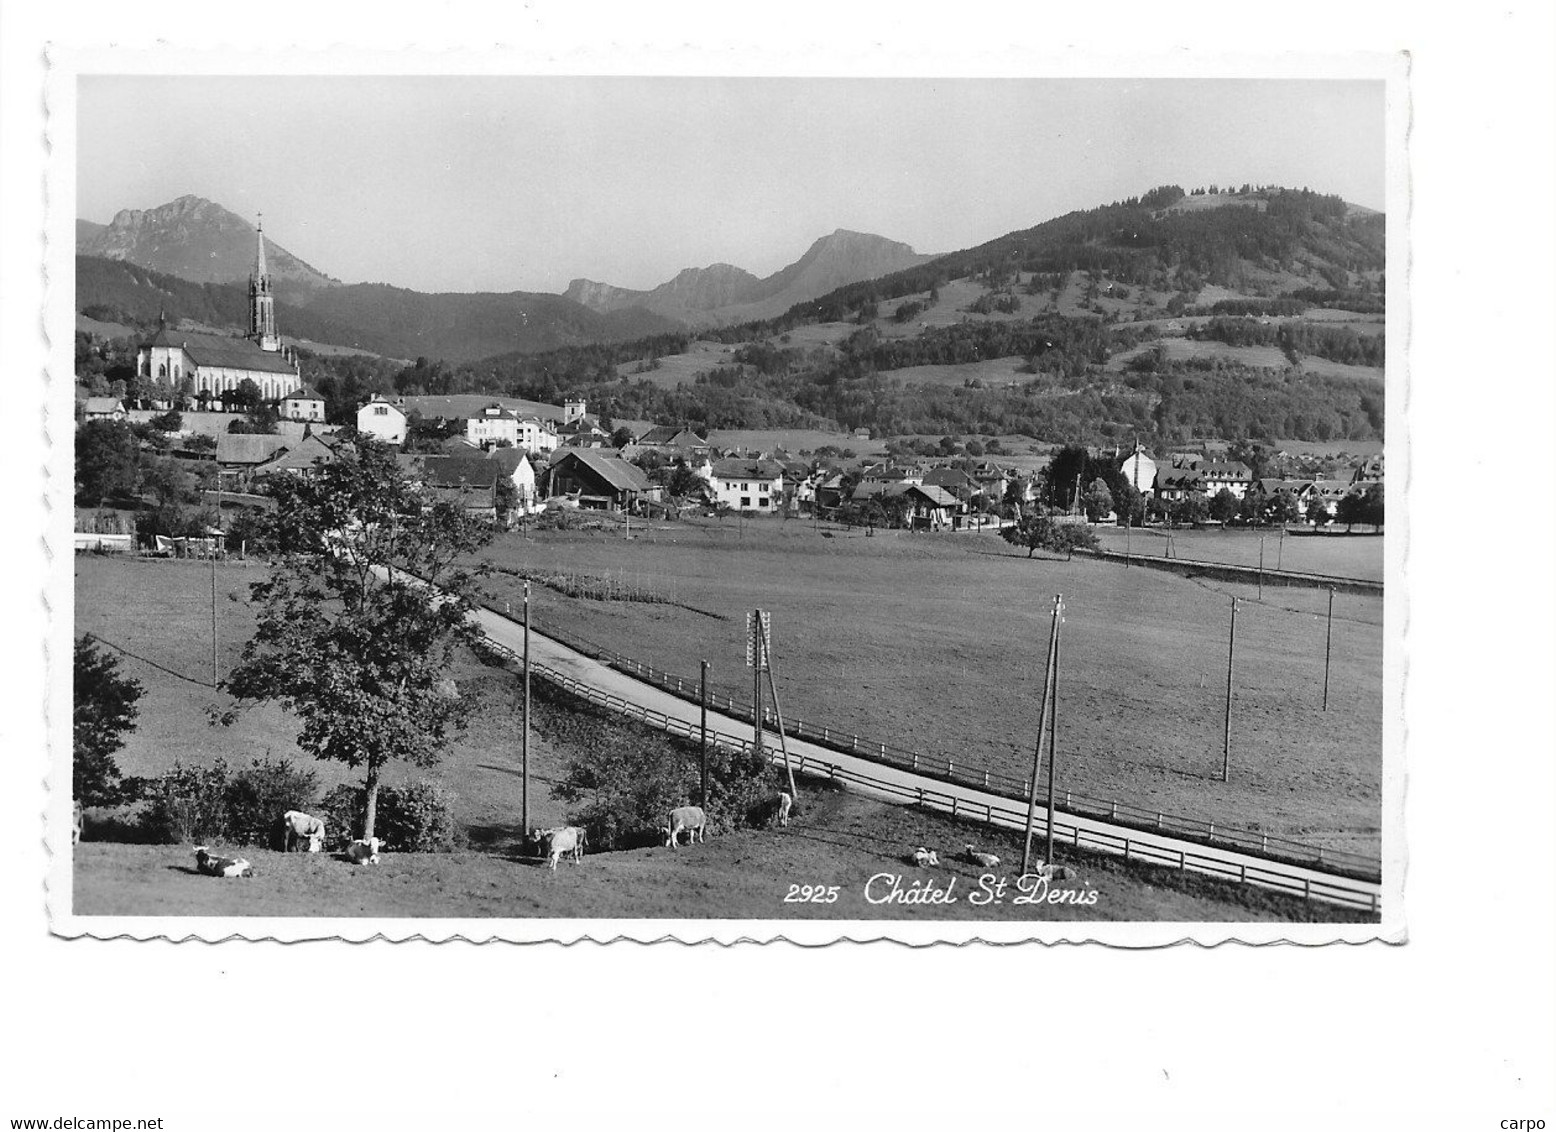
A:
897,784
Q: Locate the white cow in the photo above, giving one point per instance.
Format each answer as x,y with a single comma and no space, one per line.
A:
361,852
987,860
923,858
556,842
298,826
688,819
212,865
785,804
1053,872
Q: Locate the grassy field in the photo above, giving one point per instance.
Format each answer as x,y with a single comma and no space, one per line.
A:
792,440
1338,555
936,643
835,839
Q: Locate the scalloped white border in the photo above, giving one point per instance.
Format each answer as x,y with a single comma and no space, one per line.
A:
66,64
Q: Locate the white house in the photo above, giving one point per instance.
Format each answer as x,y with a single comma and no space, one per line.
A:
302,405
491,424
537,436
746,485
105,409
378,418
520,473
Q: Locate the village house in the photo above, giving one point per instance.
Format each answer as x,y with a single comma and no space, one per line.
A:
1196,475
240,455
1139,470
104,409
301,405
598,480
302,459
745,485
516,468
381,419
491,425
683,441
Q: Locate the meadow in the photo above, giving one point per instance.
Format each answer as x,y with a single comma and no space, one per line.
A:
1337,555
936,643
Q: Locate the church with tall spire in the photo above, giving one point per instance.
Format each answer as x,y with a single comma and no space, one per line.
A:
207,366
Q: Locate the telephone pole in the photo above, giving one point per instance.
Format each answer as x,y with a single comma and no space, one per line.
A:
1328,638
1037,754
1226,741
215,669
702,697
524,747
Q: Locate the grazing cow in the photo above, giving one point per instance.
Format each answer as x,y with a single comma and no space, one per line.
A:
298,826
582,842
923,858
214,866
987,860
361,852
689,819
785,804
556,842
75,824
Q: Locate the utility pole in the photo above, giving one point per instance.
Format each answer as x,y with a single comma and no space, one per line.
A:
1037,754
1226,741
215,671
1261,567
1053,728
1328,638
772,686
524,748
702,697
754,660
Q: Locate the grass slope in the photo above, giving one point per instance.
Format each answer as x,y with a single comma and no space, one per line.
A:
838,839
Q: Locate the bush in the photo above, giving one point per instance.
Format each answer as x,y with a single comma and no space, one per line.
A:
257,796
187,804
415,818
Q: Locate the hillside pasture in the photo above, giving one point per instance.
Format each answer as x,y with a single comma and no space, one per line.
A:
791,440
680,369
992,372
935,643
1262,357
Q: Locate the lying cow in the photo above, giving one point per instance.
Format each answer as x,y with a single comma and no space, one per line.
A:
688,819
785,804
987,860
214,866
361,852
298,826
75,824
1054,872
924,858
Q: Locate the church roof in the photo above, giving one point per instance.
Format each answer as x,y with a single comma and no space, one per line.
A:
226,353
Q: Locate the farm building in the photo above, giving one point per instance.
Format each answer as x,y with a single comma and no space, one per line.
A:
598,480
516,468
302,459
491,424
240,455
682,441
470,481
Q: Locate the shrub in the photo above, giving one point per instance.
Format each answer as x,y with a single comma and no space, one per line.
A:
188,803
414,818
257,796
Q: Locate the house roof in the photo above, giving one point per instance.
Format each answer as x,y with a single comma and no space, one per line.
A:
734,469
494,412
375,399
104,405
460,471
937,495
249,449
306,393
508,459
1225,470
310,451
947,477
615,471
679,436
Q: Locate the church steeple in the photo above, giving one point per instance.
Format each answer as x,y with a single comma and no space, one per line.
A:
262,304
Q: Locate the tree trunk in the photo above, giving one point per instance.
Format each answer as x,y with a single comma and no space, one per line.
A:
370,811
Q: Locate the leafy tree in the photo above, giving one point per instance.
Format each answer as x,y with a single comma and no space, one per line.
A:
107,462
1224,506
1351,510
246,396
170,421
1282,508
622,436
507,497
1097,500
1372,506
1318,512
1129,504
1040,532
104,707
347,637
1191,509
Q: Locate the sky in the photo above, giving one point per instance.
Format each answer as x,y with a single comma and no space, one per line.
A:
503,184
